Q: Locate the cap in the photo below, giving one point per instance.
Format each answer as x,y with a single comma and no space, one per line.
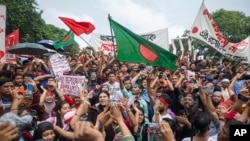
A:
225,80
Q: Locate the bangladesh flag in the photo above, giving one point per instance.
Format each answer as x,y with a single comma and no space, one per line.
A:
66,41
133,48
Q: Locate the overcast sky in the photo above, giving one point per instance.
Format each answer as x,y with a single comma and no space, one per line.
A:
140,16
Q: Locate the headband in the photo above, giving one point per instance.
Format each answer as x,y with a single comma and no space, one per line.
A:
165,102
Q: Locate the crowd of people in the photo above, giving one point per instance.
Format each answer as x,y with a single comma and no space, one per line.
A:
123,101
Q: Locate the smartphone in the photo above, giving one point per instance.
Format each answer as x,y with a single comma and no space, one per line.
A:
242,97
154,125
154,128
30,90
208,89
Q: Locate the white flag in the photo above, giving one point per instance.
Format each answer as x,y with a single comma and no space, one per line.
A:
2,33
206,30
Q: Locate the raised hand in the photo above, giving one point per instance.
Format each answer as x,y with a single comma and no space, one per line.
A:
182,119
239,75
29,80
135,108
166,132
115,113
85,131
124,101
8,132
199,82
98,87
14,93
86,81
150,77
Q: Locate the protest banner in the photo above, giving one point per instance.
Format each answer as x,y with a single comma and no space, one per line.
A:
71,85
2,33
104,42
10,40
206,30
59,64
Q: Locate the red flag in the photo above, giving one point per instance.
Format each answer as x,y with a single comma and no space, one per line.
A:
10,40
78,27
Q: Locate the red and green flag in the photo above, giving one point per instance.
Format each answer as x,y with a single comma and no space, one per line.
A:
133,48
66,41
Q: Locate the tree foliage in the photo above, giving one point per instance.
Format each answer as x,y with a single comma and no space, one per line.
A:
234,25
25,15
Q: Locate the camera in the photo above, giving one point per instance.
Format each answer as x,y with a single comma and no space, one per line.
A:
25,123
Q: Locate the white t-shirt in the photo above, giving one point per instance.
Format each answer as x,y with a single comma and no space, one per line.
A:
211,138
114,91
164,116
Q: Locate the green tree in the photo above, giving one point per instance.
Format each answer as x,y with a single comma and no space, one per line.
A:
234,25
25,15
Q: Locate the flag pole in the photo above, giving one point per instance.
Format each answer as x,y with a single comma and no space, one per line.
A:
109,17
84,41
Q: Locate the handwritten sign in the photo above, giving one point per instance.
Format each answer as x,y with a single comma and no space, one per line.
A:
71,85
2,33
59,64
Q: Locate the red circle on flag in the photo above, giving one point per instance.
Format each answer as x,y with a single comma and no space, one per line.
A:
1,54
195,29
66,38
147,53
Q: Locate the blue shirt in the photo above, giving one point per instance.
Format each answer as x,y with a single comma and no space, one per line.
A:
6,104
238,85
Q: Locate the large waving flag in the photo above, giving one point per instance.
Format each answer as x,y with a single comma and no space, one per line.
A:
205,29
78,27
66,41
134,48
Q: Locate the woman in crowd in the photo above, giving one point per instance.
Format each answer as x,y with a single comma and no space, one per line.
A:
61,108
44,130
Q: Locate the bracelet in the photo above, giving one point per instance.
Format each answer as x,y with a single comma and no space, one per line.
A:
157,113
128,110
